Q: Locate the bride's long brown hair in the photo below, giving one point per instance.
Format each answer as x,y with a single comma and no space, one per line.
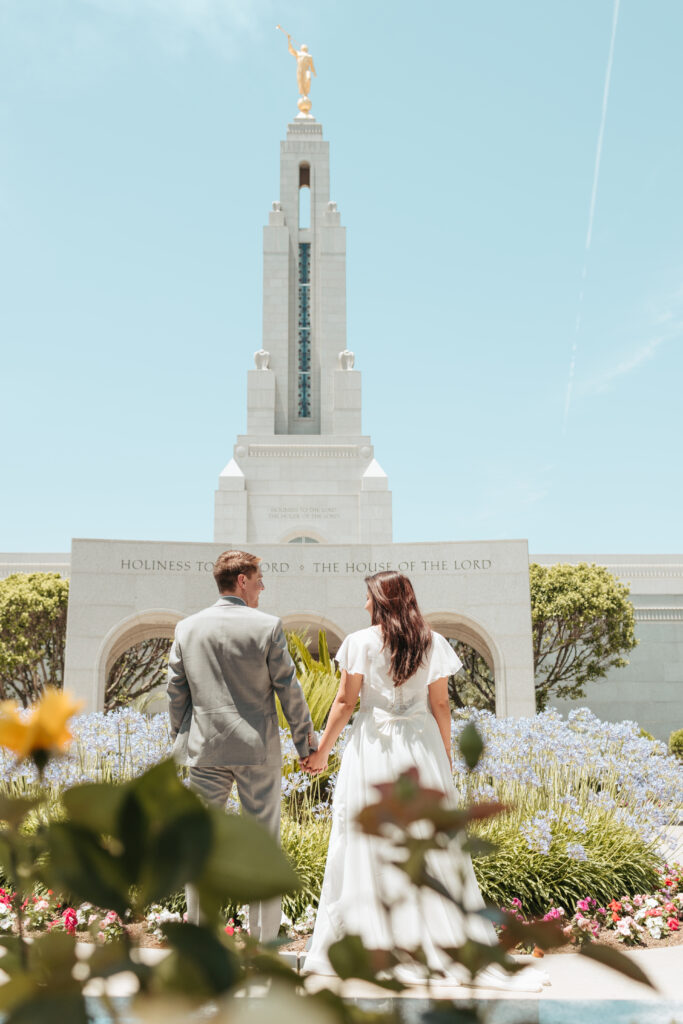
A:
405,632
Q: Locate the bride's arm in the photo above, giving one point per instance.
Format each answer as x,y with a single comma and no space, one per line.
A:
340,713
441,709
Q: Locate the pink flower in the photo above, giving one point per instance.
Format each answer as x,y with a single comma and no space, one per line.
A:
229,930
672,924
70,920
670,908
553,914
111,918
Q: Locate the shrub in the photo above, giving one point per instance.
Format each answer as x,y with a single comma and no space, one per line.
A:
305,844
607,862
676,744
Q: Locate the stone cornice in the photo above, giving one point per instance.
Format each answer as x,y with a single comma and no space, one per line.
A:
659,614
305,451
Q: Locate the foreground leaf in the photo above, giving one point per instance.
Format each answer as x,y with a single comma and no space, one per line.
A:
95,806
59,1008
177,855
13,810
471,745
617,961
244,864
79,864
350,959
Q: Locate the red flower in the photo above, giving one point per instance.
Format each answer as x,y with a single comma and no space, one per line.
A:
672,924
70,920
229,930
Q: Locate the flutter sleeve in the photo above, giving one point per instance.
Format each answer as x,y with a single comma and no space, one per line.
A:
352,655
443,661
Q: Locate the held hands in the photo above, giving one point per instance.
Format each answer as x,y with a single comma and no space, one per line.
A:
315,763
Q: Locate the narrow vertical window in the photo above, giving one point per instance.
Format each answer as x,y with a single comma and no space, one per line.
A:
304,333
304,196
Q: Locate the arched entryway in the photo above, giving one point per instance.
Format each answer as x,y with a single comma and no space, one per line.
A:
132,656
311,623
480,683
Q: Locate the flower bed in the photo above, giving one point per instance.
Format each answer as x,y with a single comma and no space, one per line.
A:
640,920
589,803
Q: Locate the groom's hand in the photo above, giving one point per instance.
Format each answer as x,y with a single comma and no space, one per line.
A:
315,763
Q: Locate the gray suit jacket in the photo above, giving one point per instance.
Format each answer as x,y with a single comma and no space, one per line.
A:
226,664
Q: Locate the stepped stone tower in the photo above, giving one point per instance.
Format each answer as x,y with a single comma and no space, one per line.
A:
304,472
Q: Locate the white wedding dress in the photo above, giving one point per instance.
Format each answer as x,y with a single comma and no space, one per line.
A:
395,730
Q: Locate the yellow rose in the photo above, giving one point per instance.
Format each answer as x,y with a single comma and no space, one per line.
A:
44,730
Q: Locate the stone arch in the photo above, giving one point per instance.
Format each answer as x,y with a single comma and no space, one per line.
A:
463,627
156,622
312,621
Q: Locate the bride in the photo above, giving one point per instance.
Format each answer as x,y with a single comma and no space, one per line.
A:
400,669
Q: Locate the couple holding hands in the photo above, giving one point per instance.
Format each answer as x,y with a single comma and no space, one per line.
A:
225,667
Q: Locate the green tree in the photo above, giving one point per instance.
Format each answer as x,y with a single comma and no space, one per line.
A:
474,685
32,634
582,624
139,671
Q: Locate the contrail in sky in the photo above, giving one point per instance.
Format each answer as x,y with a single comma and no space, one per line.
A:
591,215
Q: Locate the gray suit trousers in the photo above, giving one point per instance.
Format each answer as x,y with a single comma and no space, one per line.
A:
260,792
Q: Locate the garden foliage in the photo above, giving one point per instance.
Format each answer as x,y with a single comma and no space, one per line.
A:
582,625
676,744
129,846
32,634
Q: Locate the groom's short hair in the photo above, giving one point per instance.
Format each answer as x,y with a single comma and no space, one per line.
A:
230,564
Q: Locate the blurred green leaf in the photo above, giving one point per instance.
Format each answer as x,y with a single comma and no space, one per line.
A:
17,990
474,956
244,864
617,961
350,959
13,810
177,855
162,795
197,947
52,956
471,745
477,847
81,865
95,805
133,833
113,958
58,1008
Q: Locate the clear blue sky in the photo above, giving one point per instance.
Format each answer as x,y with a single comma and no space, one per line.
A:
139,147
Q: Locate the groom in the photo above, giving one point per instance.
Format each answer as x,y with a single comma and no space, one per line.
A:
226,664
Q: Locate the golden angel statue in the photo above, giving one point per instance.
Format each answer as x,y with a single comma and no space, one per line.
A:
304,69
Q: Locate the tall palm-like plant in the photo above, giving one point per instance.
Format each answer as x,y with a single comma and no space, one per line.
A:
319,677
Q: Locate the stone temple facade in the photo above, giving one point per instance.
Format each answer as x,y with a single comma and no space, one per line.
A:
304,471
304,490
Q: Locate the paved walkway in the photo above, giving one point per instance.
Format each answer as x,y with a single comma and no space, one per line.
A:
574,978
672,847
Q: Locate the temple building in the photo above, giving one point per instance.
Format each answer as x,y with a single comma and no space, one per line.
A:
304,490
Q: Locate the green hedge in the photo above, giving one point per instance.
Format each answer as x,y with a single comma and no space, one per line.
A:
676,744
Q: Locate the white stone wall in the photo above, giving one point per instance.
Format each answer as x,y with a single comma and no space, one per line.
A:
31,562
122,591
649,690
